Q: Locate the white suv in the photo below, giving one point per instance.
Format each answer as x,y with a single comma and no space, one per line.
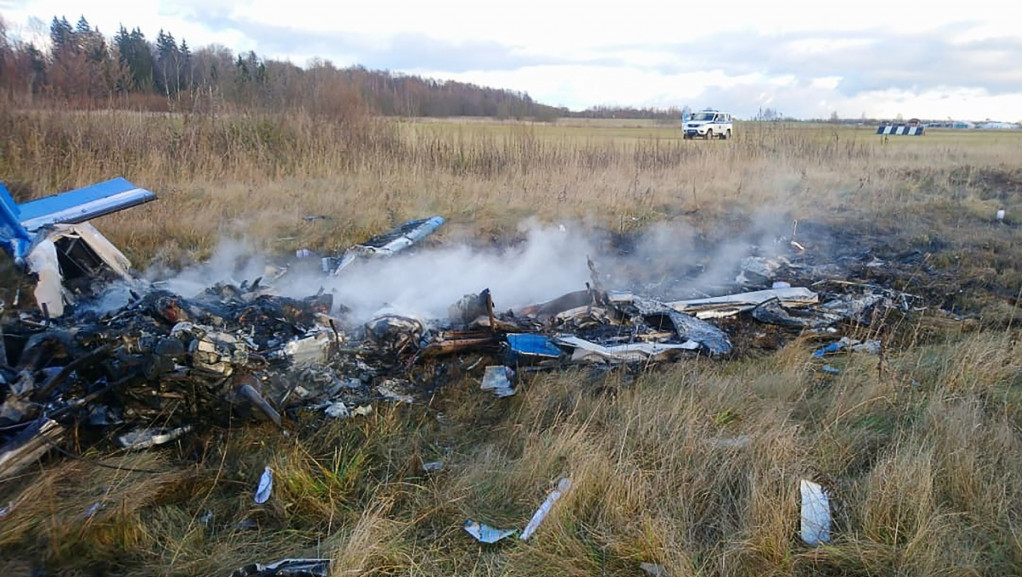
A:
708,124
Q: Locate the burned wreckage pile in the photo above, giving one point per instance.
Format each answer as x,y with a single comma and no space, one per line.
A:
150,371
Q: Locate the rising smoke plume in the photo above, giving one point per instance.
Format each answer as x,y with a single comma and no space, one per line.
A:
548,262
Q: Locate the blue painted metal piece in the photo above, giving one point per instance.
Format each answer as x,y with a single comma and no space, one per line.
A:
20,222
83,204
525,346
13,236
831,348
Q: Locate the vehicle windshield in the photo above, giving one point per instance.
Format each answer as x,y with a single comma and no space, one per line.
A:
702,116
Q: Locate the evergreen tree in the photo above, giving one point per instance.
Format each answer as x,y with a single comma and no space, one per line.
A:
134,52
61,37
167,63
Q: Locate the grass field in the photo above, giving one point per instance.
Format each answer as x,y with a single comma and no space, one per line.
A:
921,448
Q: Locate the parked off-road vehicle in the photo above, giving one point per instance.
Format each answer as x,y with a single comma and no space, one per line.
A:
708,124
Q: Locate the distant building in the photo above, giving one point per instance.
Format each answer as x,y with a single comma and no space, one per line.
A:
997,126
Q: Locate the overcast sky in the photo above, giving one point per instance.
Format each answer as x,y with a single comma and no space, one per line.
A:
806,59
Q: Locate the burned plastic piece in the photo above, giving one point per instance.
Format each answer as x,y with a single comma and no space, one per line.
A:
145,438
212,350
562,487
582,318
17,406
287,568
395,333
871,346
485,533
815,527
772,312
166,354
545,310
252,395
688,328
760,270
472,307
461,341
28,446
386,244
855,309
498,379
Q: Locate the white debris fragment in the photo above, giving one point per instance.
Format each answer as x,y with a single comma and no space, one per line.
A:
562,486
654,569
265,487
49,288
738,442
310,350
497,378
93,509
389,390
486,534
729,305
339,410
815,514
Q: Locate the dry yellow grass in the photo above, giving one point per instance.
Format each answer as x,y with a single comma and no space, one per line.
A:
695,467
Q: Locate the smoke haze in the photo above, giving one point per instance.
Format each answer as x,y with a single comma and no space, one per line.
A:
548,262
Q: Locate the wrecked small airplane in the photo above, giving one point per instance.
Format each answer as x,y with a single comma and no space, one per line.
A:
52,239
163,365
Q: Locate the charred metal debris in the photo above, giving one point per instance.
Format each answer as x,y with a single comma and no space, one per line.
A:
164,364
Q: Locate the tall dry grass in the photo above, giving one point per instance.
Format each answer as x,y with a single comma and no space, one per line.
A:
232,174
694,467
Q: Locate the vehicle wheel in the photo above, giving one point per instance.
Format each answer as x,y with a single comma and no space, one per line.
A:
687,136
726,135
709,134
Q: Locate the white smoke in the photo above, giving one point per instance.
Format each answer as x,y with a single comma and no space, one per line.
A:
233,261
425,282
548,262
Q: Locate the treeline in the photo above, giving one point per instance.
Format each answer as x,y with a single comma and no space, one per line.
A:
81,68
650,113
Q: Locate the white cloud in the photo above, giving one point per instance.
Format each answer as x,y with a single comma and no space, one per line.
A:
826,83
